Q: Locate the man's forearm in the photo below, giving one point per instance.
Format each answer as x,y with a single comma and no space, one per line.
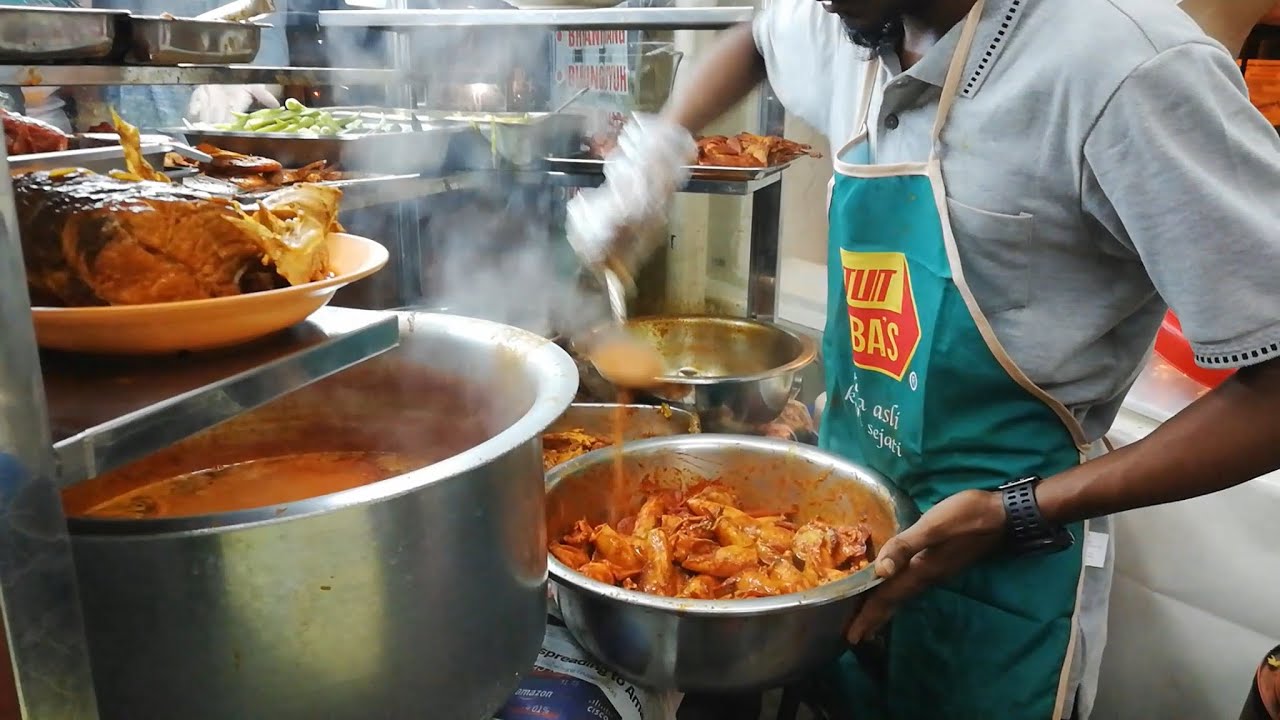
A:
724,75
1229,436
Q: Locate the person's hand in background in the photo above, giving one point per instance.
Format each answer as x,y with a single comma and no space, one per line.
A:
612,224
216,103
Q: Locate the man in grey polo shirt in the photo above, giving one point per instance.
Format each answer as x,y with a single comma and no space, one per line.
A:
1023,188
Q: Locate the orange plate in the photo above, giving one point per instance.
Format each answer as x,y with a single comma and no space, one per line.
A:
205,324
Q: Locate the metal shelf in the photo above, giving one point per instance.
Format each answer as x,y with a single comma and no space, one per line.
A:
704,187
107,412
364,193
69,75
716,18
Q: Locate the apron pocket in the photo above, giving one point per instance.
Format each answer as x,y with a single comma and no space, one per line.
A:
994,252
952,656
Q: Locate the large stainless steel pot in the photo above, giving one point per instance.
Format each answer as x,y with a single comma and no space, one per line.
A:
717,646
421,596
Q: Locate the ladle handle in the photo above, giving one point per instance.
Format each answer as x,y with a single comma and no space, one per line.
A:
617,292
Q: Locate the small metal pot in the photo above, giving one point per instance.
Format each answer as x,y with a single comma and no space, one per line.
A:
735,374
717,646
638,421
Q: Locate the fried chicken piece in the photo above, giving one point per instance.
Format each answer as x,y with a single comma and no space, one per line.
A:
723,562
700,587
599,571
228,164
574,557
659,574
580,535
616,549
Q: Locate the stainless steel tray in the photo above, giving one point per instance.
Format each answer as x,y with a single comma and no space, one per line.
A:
425,152
98,159
519,139
40,35
155,40
638,421
595,166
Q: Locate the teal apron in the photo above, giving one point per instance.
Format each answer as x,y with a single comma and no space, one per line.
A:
920,389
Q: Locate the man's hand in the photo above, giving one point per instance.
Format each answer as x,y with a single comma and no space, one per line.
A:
216,103
610,224
950,537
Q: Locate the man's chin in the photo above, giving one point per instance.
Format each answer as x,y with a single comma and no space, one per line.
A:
872,35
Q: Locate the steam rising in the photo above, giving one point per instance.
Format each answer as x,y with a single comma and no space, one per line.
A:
500,264
494,256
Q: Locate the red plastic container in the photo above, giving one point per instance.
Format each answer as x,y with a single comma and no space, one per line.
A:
1173,347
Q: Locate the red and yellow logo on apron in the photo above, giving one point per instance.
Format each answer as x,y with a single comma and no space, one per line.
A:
883,324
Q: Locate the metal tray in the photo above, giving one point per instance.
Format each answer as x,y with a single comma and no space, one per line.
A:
595,166
155,40
98,159
638,421
518,139
40,35
425,152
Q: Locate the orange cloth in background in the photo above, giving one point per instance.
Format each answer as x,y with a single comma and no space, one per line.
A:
1263,79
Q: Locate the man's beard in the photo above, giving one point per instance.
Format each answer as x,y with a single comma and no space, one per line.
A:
875,40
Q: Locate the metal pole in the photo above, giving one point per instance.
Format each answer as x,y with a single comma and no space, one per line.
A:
38,594
766,214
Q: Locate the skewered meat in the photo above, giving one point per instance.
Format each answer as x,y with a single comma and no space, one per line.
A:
702,546
24,135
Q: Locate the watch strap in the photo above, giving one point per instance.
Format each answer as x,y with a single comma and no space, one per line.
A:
1025,526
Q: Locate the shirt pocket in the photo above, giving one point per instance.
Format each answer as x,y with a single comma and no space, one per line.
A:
995,251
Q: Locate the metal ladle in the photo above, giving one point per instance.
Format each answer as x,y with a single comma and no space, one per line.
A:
617,355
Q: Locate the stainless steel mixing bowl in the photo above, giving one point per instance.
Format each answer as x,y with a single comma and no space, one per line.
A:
420,596
736,374
717,646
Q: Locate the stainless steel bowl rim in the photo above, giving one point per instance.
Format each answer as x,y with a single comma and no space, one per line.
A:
675,411
808,353
837,591
556,379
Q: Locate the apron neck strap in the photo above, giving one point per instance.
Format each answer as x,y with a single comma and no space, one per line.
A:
868,89
956,70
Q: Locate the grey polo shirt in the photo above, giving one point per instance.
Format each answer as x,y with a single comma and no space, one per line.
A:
1103,160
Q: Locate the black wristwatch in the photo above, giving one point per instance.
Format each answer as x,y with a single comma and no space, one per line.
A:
1026,531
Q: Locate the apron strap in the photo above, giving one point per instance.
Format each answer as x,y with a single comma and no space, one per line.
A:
869,89
956,70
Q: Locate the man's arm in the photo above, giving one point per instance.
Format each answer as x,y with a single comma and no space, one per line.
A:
610,225
726,73
1225,438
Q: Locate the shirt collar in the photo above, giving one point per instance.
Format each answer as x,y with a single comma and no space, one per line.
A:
932,68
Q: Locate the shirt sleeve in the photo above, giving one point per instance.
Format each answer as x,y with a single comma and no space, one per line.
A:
1185,172
793,42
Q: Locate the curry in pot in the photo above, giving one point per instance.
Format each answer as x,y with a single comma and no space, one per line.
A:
253,484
